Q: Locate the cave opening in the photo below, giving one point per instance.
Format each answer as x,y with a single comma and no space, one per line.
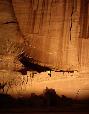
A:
30,65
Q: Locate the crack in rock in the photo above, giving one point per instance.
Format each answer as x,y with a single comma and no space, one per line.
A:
8,22
71,24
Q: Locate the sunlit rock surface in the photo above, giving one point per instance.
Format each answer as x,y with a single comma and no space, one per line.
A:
52,33
56,31
73,85
10,38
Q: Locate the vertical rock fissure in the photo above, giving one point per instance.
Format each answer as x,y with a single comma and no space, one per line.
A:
71,21
50,14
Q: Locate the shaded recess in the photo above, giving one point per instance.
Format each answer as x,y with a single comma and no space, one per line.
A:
29,64
84,26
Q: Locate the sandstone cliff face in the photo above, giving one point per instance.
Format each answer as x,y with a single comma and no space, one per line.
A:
10,38
52,33
55,32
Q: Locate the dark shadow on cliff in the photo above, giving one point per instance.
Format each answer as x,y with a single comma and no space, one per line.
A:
49,99
30,64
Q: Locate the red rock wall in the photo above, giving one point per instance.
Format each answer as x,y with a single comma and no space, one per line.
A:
55,32
10,37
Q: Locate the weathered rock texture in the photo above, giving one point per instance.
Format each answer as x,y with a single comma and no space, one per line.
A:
52,33
10,38
56,32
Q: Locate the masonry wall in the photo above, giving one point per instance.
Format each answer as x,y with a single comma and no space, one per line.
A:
73,85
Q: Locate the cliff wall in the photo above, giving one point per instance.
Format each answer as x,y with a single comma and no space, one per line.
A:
56,32
51,33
